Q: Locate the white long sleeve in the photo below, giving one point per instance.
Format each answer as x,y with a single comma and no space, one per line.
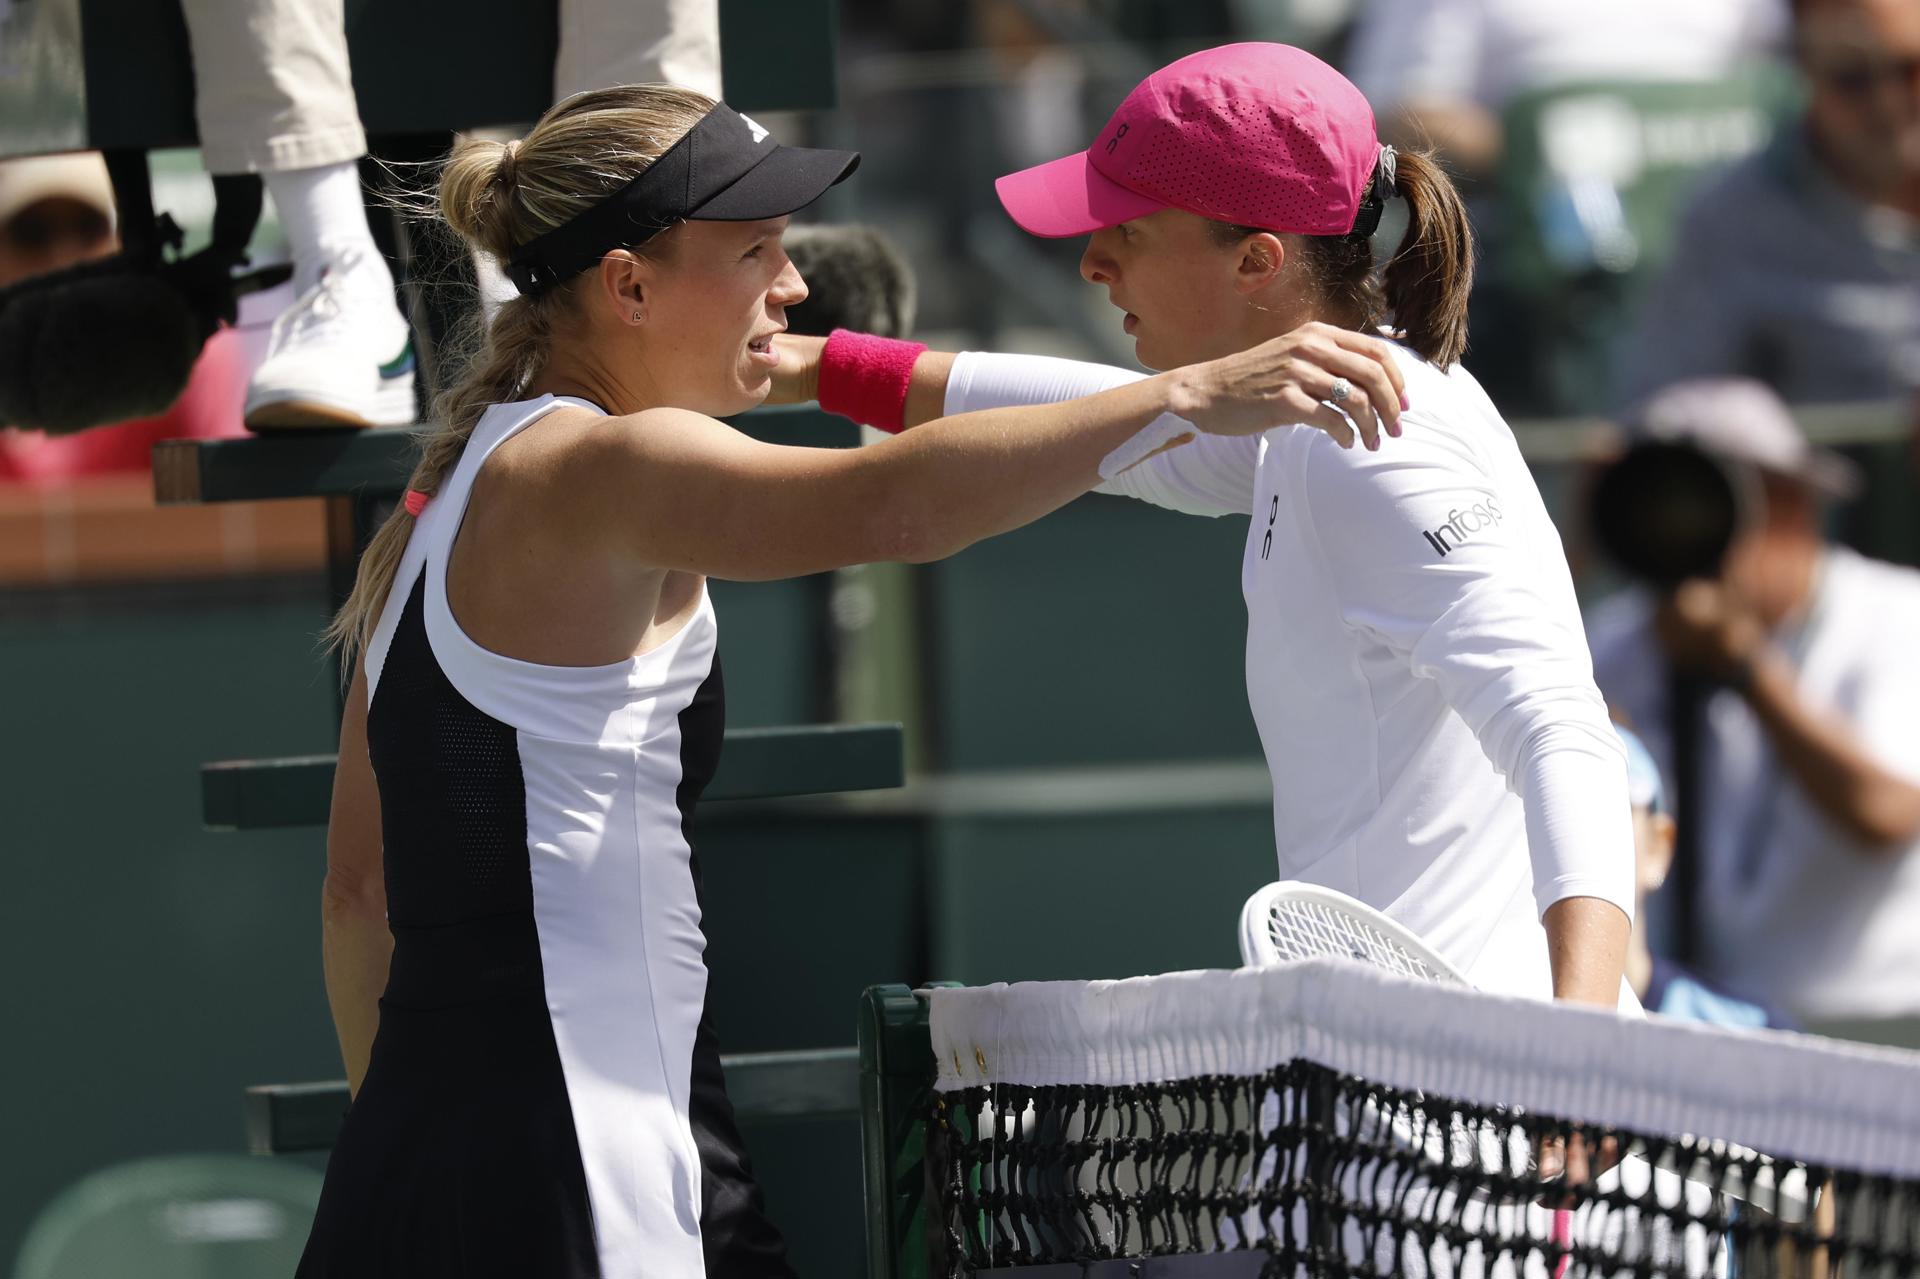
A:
1212,475
1433,554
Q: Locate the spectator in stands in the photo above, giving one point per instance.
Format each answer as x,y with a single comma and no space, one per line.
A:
1040,106
57,211
273,96
1801,265
1450,73
1439,72
1662,985
1808,808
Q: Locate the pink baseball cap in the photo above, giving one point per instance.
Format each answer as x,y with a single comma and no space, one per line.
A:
1253,134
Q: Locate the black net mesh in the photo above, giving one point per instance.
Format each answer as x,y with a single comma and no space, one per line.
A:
1324,1173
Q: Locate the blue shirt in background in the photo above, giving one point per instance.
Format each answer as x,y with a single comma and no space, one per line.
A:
1672,991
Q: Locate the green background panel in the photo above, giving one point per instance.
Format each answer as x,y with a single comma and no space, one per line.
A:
154,970
802,909
1076,896
771,651
1109,632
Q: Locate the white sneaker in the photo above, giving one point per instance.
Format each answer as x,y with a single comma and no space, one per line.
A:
340,356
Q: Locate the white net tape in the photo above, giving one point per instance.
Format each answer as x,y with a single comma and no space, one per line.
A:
1794,1096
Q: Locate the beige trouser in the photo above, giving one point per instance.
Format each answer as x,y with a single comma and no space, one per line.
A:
605,42
271,85
273,91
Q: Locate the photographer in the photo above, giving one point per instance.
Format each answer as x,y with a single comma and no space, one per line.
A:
1808,723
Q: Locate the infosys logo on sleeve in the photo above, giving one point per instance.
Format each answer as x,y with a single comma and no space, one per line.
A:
1463,524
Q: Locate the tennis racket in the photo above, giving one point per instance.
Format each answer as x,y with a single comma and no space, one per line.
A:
1291,920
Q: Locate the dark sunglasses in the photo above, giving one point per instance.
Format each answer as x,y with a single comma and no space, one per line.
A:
40,226
1858,78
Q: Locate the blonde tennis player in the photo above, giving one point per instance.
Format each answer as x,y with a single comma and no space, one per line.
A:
1415,659
512,930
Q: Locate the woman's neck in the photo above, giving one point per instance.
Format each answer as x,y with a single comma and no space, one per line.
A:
601,367
593,381
1274,316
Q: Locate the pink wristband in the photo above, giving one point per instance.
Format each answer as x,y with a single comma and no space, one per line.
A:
866,378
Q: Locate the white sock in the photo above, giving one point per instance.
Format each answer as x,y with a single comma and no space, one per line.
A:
325,220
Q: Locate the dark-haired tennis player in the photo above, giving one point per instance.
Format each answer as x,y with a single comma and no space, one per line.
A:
1415,659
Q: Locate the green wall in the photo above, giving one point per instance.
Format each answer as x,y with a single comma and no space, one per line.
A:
153,970
1109,632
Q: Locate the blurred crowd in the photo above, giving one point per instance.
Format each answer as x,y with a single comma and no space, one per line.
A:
1726,187
1691,216
1723,188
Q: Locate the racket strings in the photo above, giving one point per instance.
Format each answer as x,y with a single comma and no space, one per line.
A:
1306,929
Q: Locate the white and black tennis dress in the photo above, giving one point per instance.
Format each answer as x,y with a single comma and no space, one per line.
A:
544,1096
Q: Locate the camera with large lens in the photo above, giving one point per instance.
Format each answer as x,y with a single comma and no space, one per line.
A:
1665,511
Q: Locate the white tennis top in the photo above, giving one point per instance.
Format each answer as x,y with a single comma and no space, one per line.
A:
1416,663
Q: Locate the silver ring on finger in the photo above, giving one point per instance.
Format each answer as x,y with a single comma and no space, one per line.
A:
1340,390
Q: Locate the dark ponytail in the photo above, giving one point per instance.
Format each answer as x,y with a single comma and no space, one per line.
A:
1428,279
1423,291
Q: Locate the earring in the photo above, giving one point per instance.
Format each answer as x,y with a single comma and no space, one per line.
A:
636,317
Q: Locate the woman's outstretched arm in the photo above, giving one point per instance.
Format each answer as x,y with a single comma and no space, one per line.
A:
1193,474
1313,354
685,492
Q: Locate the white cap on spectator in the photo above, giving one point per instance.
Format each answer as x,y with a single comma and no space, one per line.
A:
1743,420
78,175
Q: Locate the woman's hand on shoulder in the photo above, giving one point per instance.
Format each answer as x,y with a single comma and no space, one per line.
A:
1293,379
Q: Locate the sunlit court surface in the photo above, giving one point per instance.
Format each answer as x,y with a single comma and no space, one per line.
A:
1073,639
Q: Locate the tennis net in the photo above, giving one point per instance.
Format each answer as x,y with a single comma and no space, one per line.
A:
1323,1118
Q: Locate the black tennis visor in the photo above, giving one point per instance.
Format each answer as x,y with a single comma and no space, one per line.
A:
726,169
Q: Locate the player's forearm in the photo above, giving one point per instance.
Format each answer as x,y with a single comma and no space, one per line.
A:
978,474
798,379
356,949
1879,809
1587,946
927,393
